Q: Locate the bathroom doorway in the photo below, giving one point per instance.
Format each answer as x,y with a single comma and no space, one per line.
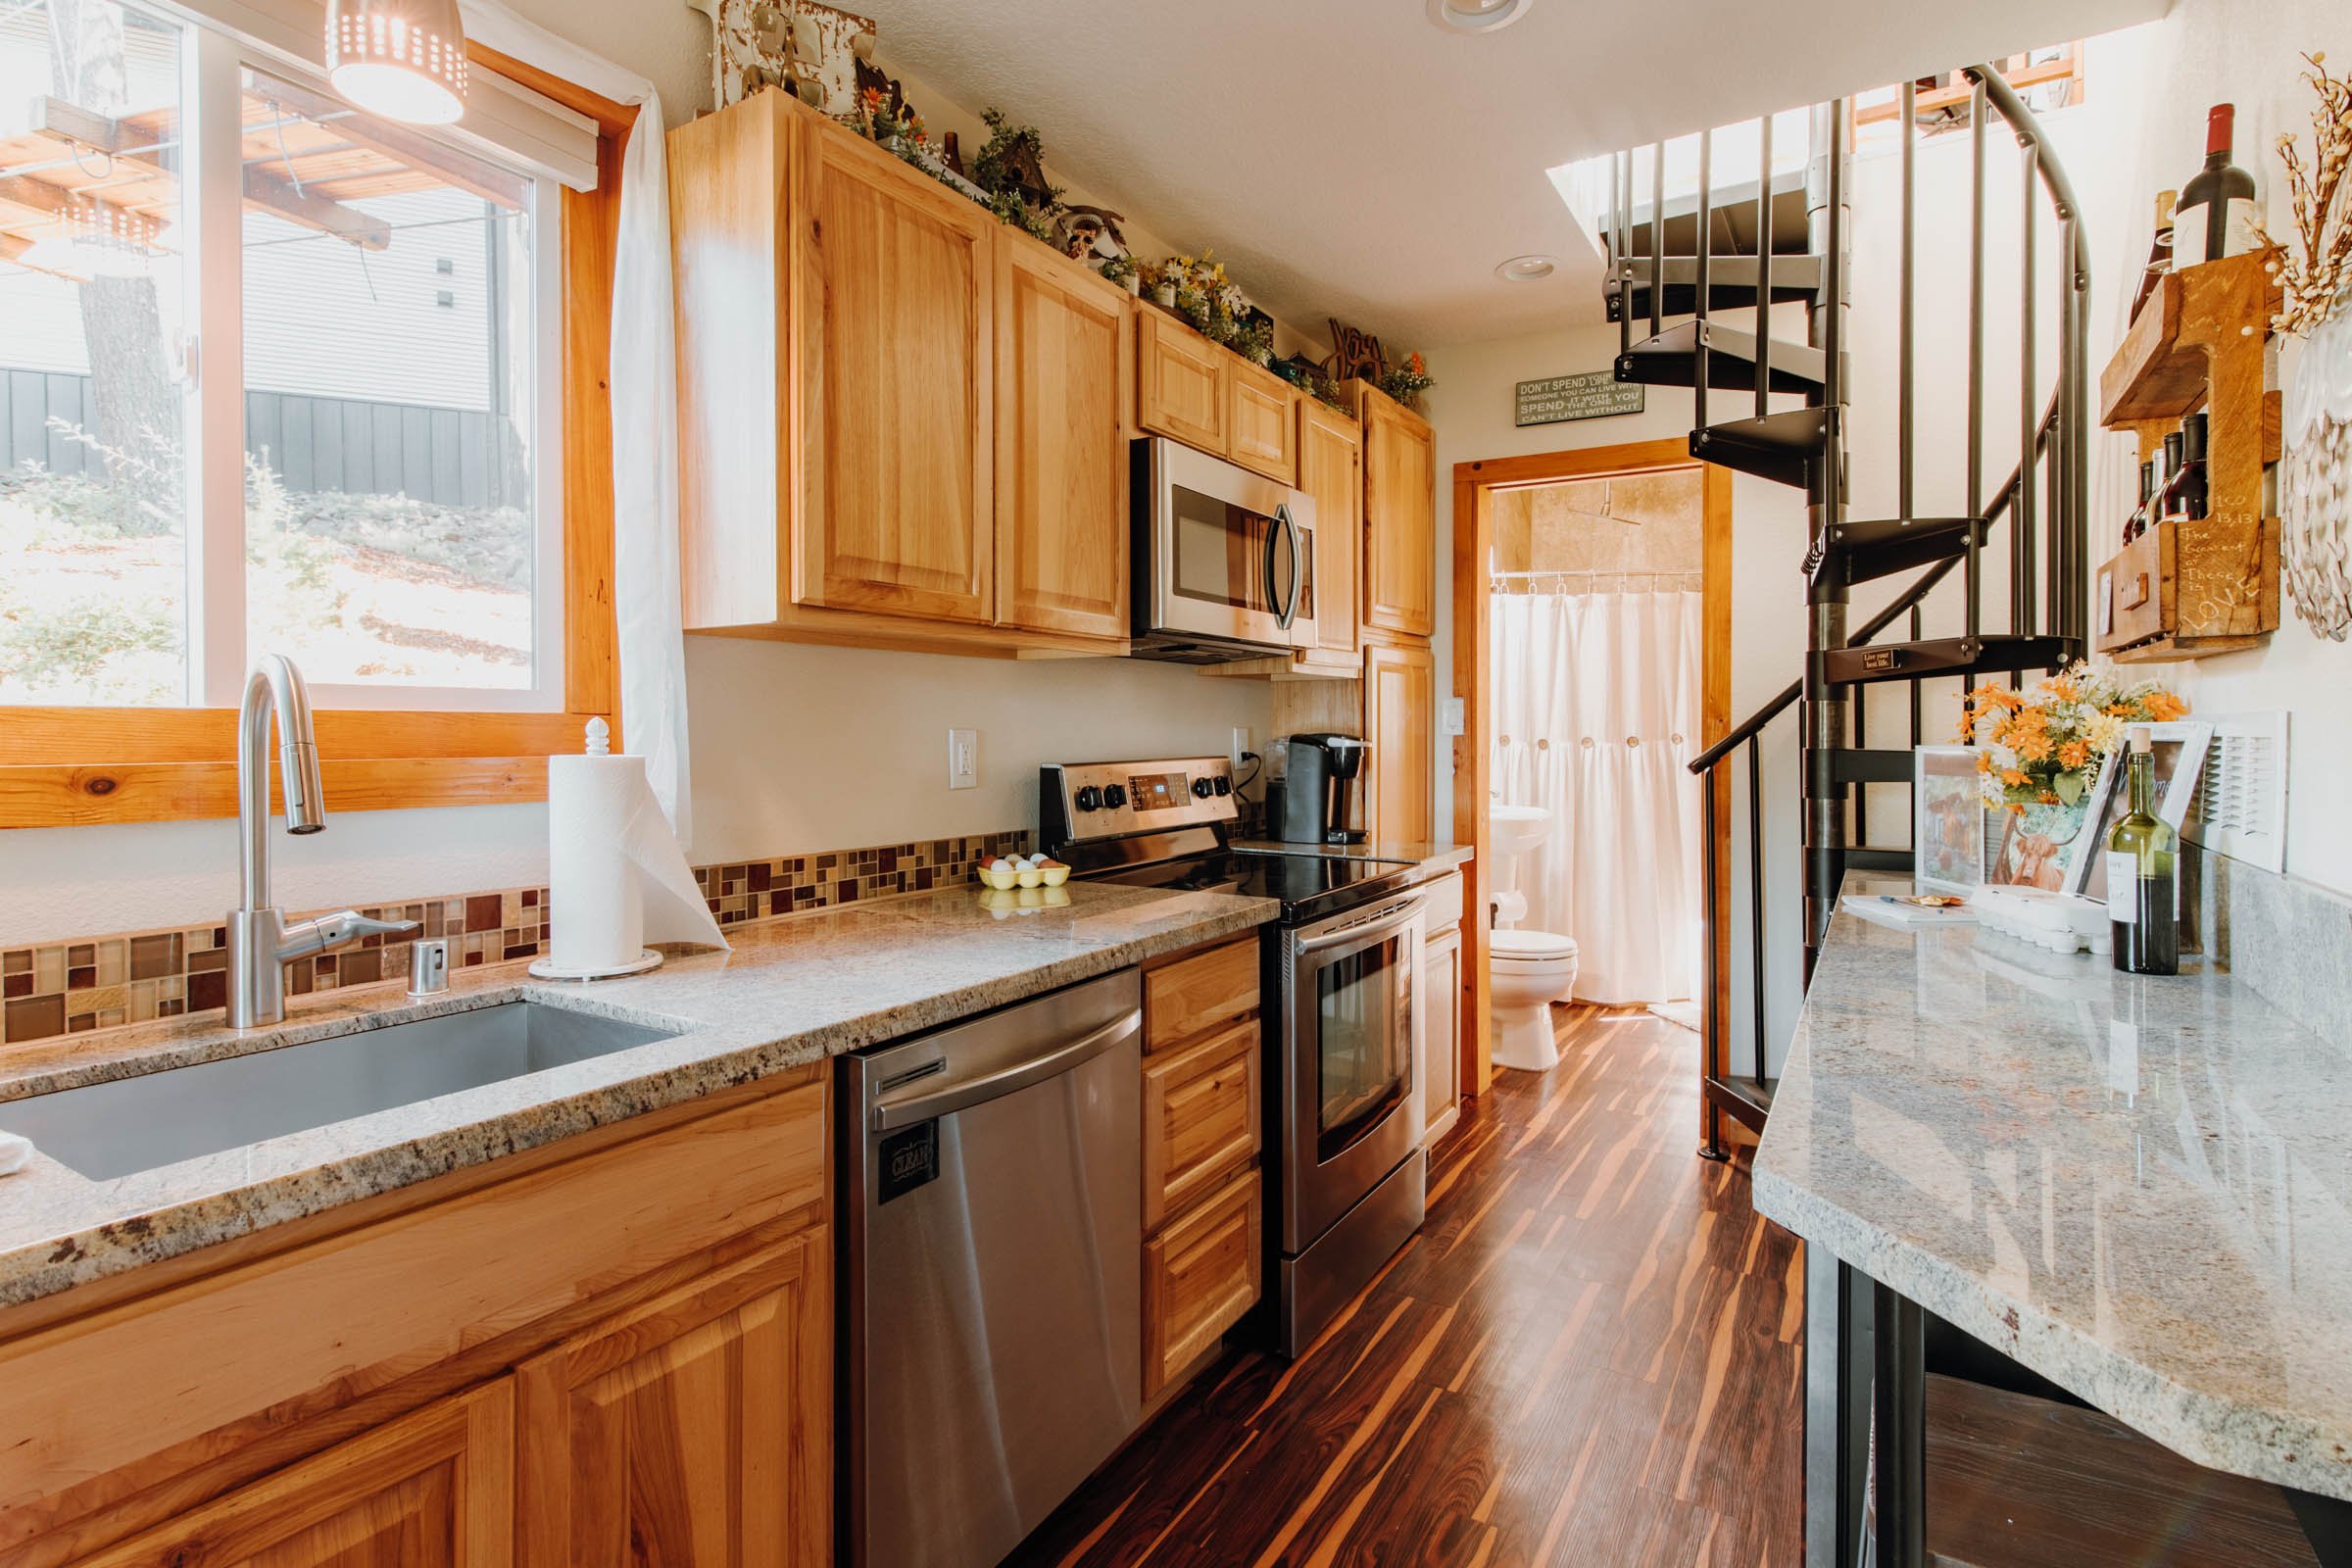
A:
1592,608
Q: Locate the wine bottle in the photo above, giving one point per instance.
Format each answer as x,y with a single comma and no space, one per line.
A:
2160,251
2144,890
2168,506
2195,430
2137,523
2214,216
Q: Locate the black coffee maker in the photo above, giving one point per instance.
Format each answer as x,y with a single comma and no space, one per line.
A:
1318,790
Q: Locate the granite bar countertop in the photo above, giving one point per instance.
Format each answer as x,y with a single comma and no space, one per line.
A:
2141,1188
795,989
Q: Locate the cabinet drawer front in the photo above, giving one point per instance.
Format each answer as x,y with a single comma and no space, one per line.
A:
1180,388
336,1318
1441,904
1200,1118
1199,1276
1261,429
1204,991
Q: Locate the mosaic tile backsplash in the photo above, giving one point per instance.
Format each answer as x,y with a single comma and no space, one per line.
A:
99,983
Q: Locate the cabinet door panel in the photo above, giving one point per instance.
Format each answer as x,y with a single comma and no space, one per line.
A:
894,419
1199,1276
1262,421
1400,710
1440,1079
693,1431
1200,1118
1180,382
434,1488
1400,560
1331,470
1061,356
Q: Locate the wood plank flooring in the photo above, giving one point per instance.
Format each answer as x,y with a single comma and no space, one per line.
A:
1589,1355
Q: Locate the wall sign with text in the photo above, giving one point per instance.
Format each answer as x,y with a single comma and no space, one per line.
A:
1591,395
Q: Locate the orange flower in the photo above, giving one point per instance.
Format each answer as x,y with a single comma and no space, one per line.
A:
2034,748
2163,707
1984,762
2074,755
2013,778
2047,797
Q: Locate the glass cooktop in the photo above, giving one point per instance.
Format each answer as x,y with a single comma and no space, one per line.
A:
1309,885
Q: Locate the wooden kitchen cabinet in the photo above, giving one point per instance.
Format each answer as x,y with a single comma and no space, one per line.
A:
1442,991
1262,421
1180,387
1205,989
1400,500
1331,470
1200,1274
692,1430
431,1490
1200,1117
1400,698
1062,367
843,404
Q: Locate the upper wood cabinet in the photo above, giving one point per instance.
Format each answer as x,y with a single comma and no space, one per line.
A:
690,1431
1400,698
1400,534
1262,421
1063,372
1331,470
892,298
855,420
1181,377
434,1488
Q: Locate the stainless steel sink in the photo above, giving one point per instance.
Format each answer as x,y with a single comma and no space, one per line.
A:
160,1118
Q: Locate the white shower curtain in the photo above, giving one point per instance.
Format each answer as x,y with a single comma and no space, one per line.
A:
1597,713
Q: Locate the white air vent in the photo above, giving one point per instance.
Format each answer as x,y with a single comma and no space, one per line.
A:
2241,808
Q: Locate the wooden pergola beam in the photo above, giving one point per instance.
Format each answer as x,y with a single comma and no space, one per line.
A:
467,174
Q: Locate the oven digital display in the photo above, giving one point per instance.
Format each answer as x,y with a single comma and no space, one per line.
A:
1156,792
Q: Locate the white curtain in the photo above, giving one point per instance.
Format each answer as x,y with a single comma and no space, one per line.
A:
1597,713
648,611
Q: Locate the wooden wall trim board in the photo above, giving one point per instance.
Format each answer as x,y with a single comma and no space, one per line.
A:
80,767
1474,486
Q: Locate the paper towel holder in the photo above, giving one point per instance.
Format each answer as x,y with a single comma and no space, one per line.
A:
546,970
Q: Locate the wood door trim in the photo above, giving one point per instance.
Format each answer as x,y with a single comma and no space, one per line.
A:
1475,485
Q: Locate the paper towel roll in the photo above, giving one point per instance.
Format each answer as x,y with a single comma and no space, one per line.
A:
615,874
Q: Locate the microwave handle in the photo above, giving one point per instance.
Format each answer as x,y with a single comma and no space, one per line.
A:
1289,605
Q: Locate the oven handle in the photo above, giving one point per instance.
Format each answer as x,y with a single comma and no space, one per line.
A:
1290,608
1370,928
1008,1080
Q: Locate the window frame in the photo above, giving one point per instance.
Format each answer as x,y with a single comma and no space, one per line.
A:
65,767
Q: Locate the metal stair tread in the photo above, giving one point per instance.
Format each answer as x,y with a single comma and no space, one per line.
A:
1943,655
1730,283
1779,447
1860,764
1668,359
1881,546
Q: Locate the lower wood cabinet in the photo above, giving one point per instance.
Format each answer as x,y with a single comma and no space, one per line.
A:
693,1430
1442,994
1200,1118
1200,1274
434,1488
1187,997
1401,699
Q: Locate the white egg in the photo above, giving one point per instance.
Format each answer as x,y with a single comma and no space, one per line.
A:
1000,863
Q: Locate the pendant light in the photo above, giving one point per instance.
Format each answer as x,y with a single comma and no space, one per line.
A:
401,59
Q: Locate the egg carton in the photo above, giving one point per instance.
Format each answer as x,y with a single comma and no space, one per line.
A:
2062,923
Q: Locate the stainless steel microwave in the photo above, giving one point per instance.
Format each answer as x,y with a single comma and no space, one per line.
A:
1224,559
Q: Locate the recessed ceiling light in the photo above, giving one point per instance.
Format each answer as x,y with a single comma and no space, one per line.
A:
1477,16
1526,268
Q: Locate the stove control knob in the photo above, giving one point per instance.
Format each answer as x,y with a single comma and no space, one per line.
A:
1224,785
1114,796
1202,789
1089,798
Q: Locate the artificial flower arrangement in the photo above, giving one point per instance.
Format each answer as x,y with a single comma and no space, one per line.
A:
2046,746
1407,381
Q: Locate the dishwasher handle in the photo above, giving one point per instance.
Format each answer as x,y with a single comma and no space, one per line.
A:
1007,1080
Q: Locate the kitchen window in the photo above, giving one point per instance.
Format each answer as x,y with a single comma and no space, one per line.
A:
279,377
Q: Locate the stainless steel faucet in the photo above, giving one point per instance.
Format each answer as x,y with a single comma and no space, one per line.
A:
260,941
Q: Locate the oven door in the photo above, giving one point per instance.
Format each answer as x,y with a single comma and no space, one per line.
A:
1350,998
1228,550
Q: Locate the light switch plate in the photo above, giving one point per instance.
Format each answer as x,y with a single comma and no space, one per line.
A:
963,758
1452,720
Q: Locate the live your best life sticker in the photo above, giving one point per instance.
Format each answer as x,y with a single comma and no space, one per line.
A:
1588,395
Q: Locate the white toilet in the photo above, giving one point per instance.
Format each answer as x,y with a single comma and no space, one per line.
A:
1528,970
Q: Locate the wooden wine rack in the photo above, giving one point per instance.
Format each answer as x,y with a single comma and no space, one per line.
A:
2209,585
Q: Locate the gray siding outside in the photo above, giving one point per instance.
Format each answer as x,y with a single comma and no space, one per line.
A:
449,456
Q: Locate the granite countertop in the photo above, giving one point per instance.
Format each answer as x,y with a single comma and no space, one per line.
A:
795,989
2139,1187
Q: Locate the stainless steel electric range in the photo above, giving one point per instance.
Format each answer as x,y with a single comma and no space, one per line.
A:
1343,1006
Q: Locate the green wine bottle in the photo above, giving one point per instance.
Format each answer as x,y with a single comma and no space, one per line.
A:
2144,889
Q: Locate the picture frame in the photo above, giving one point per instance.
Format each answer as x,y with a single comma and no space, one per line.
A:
2180,749
1947,819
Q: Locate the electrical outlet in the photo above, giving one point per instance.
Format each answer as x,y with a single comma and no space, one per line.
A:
963,758
1240,745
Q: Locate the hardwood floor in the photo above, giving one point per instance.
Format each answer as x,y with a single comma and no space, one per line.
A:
1589,1355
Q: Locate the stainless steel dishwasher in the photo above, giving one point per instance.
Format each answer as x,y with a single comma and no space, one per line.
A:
992,1218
